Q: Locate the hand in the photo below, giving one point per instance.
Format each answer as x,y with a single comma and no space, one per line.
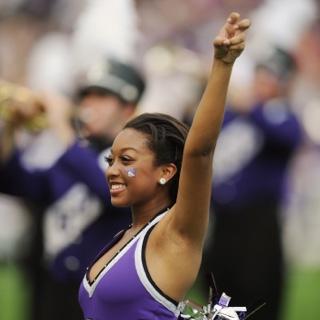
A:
58,109
19,106
230,41
59,112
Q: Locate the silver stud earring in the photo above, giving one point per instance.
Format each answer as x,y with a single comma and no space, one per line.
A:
162,181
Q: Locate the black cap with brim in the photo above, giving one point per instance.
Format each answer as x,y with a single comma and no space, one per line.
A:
114,77
281,63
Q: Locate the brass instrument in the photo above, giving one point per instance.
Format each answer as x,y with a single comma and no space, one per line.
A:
12,95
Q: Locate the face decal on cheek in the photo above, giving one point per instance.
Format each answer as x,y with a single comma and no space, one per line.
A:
131,172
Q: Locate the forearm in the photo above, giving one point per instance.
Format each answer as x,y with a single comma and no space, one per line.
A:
209,115
196,169
65,133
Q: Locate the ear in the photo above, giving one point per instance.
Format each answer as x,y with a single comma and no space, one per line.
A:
168,171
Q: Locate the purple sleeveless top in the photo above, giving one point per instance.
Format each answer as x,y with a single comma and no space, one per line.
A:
124,290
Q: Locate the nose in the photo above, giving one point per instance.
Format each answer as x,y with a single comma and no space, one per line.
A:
113,170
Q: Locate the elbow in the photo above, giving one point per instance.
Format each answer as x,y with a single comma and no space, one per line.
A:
200,152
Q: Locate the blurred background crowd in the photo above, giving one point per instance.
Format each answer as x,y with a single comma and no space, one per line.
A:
137,56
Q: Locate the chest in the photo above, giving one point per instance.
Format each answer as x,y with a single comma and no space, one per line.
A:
114,277
107,257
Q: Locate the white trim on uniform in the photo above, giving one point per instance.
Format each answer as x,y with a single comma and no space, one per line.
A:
90,288
142,274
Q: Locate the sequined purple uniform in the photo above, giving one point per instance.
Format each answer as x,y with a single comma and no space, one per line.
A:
124,289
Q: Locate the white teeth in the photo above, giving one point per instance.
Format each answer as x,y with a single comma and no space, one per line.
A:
117,186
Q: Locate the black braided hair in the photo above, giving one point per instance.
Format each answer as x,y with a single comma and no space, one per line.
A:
166,138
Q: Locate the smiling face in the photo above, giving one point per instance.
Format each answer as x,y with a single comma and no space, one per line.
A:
130,153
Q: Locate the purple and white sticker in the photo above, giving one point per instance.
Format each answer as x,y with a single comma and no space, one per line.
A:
131,172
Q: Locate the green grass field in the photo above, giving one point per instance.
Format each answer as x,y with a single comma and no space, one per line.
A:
302,296
13,293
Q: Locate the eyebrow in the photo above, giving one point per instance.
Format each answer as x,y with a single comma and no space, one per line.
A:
125,149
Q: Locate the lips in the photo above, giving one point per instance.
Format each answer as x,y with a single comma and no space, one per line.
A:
116,188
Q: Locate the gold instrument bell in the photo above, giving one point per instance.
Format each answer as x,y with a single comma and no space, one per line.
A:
14,96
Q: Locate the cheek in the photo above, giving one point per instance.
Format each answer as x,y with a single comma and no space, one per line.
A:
140,180
130,172
144,184
110,114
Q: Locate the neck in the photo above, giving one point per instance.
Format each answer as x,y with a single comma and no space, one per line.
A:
141,215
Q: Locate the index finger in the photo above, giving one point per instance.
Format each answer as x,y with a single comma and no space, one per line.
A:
244,24
231,24
233,17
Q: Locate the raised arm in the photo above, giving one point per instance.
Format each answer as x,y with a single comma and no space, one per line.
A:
190,214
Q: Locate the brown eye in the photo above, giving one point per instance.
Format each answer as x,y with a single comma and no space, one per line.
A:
126,159
109,160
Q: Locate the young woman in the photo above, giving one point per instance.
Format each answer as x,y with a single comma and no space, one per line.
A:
146,271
